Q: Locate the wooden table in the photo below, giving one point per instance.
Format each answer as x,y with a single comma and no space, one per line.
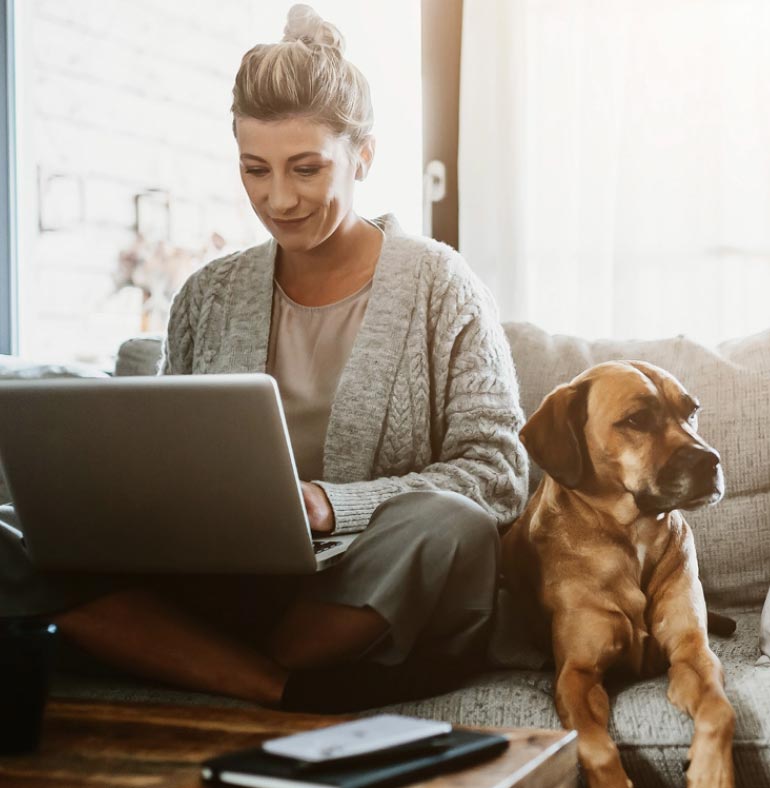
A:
135,745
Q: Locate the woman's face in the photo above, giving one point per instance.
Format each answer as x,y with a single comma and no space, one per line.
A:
299,176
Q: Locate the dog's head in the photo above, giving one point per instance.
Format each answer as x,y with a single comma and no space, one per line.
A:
626,426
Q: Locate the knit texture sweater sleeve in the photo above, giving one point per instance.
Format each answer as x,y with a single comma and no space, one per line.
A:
476,414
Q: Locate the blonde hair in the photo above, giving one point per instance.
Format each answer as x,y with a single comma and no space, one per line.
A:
305,74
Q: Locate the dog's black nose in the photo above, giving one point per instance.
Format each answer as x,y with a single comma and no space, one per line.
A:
700,461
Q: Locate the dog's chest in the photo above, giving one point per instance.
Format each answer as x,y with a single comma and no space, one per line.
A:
646,539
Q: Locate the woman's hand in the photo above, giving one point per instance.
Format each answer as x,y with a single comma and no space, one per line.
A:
319,510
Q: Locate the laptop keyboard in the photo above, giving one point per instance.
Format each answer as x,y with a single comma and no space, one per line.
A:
320,547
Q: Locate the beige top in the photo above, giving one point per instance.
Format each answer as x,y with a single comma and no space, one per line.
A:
308,349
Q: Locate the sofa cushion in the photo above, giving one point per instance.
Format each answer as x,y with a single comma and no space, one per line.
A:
732,382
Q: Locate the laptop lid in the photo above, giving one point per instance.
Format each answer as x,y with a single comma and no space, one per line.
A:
155,474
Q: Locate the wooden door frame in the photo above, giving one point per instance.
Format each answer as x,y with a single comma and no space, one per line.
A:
441,49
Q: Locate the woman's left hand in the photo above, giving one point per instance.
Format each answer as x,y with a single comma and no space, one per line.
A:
319,510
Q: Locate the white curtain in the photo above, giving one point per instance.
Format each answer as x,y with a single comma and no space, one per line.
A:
614,164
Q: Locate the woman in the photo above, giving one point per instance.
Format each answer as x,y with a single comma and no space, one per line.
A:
399,393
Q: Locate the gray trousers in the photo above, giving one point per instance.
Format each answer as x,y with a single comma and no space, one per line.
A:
427,563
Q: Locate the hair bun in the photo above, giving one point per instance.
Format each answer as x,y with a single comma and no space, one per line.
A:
304,24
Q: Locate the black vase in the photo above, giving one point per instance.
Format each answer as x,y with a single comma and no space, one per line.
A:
26,657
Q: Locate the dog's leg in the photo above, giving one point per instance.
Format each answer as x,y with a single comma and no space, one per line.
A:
696,683
696,687
581,700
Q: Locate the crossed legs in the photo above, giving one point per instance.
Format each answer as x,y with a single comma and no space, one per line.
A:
145,634
428,562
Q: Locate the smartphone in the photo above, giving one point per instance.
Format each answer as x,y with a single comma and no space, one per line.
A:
350,739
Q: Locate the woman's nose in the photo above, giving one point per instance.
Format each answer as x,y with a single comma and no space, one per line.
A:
282,196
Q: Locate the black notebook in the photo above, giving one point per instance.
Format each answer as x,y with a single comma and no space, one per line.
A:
396,766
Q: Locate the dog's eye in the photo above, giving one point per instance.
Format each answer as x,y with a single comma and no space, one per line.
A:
694,414
641,420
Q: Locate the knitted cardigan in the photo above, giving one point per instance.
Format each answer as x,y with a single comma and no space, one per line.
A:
428,398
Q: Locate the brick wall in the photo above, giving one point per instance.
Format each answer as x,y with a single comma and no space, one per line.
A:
119,98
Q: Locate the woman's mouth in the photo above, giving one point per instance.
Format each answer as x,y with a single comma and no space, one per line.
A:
290,223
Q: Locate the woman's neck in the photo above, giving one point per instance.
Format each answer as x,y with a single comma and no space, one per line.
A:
340,266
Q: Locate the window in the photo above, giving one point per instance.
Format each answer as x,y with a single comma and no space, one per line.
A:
126,166
615,166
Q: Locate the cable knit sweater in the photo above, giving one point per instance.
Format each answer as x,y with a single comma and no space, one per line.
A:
428,398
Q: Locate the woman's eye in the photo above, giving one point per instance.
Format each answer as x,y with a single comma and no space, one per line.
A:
257,171
308,170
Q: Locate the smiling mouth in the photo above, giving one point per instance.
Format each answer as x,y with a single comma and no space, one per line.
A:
290,221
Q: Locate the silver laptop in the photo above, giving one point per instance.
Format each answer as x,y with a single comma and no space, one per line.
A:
158,474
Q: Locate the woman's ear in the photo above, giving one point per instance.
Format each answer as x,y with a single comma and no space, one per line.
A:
365,157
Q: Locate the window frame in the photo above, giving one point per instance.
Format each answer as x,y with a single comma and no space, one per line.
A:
8,239
441,51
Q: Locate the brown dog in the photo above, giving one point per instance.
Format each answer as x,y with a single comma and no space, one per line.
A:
612,561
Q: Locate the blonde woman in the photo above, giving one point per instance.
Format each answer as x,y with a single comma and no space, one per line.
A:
401,402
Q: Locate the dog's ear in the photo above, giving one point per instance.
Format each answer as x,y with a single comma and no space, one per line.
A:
553,435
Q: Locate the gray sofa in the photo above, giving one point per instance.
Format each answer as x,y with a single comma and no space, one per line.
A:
732,382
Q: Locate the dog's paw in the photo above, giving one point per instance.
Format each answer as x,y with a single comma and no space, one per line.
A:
719,779
709,769
610,776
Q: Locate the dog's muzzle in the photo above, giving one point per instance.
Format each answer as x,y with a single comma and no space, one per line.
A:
691,478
